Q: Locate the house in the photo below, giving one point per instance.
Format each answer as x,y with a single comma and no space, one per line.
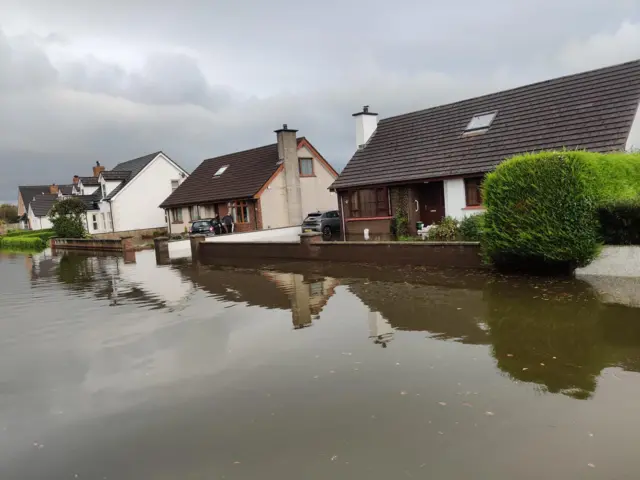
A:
28,193
431,163
38,211
267,187
125,199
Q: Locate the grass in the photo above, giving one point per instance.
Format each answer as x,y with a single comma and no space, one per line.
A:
26,240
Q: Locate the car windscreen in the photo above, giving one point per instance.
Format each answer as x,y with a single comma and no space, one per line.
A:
204,224
313,216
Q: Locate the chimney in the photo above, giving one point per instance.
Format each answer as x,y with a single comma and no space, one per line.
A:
97,169
76,179
366,124
53,189
288,155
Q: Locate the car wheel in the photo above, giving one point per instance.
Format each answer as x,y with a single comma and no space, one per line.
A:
326,233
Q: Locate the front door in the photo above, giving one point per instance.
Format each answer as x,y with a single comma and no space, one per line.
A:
432,203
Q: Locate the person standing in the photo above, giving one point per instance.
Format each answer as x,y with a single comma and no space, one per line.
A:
227,223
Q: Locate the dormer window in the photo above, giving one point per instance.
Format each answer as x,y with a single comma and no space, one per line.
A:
220,171
480,123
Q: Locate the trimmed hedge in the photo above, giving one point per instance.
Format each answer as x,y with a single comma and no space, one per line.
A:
620,223
26,243
542,208
30,233
471,227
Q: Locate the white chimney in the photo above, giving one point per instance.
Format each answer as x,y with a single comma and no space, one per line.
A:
366,124
288,155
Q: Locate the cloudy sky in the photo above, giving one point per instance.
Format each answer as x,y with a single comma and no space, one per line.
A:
87,80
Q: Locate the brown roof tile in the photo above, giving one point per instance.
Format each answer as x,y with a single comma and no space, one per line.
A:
592,110
248,171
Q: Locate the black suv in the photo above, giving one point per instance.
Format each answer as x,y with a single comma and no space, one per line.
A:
326,222
208,226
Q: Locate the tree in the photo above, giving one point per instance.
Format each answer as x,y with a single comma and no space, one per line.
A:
68,218
9,213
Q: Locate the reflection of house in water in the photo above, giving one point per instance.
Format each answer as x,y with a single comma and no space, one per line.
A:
380,330
304,295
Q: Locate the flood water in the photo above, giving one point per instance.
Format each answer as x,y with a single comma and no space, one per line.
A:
136,371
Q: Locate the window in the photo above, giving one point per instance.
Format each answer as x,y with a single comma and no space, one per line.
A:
194,212
481,121
176,214
103,187
306,167
364,203
473,189
174,184
240,212
220,171
94,221
332,214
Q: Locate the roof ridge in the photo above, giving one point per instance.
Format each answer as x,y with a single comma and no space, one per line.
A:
520,87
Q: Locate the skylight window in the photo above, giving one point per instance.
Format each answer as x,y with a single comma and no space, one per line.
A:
220,171
481,122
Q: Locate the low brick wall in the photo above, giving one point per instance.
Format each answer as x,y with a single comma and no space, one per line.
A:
430,254
103,245
135,235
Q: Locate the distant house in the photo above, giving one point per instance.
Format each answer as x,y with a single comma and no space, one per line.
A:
272,186
38,211
432,162
125,199
28,193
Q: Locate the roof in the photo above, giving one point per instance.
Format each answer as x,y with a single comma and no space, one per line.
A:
90,201
116,175
65,189
134,167
42,204
27,192
89,181
247,172
592,110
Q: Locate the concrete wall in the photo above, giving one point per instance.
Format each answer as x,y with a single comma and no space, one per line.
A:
615,262
134,234
179,249
315,190
433,254
455,200
116,245
279,235
136,206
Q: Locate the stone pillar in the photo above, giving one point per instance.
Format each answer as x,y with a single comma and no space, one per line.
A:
161,247
288,155
309,244
196,240
128,250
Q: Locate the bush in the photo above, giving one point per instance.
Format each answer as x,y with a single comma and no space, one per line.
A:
23,243
445,231
26,233
620,223
68,218
542,208
471,228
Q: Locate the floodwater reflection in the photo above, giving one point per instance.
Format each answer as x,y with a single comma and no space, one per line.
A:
311,371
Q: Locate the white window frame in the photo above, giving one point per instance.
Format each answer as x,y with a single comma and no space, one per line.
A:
176,183
94,221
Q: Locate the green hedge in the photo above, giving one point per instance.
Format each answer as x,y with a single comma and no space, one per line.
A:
471,227
30,233
620,223
542,208
26,243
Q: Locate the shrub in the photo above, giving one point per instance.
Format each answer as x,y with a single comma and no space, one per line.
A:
542,208
471,228
26,233
620,223
68,218
23,243
445,231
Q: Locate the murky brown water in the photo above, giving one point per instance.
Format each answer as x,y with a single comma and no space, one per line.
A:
137,371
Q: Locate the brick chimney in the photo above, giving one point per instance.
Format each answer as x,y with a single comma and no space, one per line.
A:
288,155
366,124
76,179
97,169
53,189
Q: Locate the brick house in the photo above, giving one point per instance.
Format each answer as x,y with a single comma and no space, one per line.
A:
267,187
431,163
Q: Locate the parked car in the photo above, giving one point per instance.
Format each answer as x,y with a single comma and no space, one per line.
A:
328,223
207,226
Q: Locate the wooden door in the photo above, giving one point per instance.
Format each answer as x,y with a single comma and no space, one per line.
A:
432,203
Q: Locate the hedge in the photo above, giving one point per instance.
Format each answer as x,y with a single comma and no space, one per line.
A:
542,208
27,243
620,223
29,233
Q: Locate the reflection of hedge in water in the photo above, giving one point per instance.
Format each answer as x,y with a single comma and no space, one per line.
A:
527,332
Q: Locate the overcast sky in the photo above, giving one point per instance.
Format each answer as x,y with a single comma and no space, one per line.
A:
86,80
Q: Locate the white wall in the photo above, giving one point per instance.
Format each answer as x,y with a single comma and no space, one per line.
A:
39,223
111,185
186,221
279,235
634,136
273,204
135,207
455,200
103,226
315,190
180,249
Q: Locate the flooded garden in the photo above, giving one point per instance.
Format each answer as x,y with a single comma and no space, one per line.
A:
125,370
